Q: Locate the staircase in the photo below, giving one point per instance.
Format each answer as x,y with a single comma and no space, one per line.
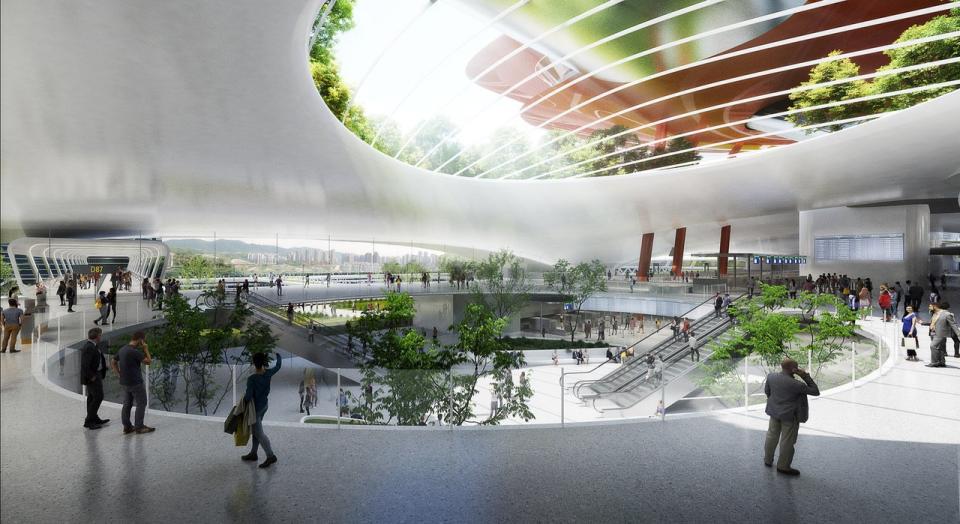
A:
633,381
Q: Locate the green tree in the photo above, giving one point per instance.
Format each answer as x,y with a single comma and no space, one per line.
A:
174,345
816,96
503,285
577,284
391,266
508,146
339,20
480,347
919,54
764,331
619,147
197,266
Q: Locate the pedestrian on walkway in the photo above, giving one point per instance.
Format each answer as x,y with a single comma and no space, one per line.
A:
93,369
717,305
126,364
71,295
279,282
112,303
943,325
103,307
12,321
258,391
694,347
61,291
909,330
787,407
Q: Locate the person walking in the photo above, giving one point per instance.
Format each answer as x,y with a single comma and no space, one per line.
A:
909,330
61,291
93,369
787,408
258,391
694,347
943,325
717,305
12,321
71,295
886,304
112,303
103,307
915,295
279,283
126,364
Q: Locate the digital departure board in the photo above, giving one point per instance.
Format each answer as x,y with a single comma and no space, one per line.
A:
883,247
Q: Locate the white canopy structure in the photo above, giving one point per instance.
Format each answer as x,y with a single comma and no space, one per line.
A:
182,118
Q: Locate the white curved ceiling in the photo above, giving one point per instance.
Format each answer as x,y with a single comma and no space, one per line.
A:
182,117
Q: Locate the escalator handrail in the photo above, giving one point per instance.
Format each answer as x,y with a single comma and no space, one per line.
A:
658,349
683,349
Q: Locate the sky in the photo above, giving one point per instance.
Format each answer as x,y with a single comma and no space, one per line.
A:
407,60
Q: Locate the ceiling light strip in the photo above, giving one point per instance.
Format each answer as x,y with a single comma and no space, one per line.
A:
792,40
917,41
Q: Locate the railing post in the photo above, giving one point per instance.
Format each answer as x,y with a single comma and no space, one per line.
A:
147,407
746,383
339,407
450,397
853,364
562,402
809,359
663,402
233,380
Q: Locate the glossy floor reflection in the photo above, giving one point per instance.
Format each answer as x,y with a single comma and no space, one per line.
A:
864,458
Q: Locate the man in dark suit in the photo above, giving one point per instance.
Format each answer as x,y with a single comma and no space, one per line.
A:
915,291
93,368
787,407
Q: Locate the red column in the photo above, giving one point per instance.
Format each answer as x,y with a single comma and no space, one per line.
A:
646,252
724,248
678,250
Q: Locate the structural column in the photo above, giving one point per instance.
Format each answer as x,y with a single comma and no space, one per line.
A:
646,252
678,242
724,249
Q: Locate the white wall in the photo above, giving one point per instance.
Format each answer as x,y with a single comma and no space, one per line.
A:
912,221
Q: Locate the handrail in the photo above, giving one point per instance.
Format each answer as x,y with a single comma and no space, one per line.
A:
670,359
659,330
654,350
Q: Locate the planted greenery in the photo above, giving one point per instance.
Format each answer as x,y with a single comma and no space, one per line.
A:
406,380
889,83
192,344
577,284
820,331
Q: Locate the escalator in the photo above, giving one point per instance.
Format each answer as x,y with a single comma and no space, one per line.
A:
632,382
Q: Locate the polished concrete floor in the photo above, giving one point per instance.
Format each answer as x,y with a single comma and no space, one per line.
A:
871,468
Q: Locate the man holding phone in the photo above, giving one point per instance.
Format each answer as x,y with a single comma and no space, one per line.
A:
126,364
787,407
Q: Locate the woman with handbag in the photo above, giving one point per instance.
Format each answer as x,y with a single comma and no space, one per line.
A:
909,340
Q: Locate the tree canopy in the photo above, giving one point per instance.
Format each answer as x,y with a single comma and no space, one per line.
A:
885,83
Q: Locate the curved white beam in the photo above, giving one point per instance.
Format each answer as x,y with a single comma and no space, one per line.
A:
205,155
